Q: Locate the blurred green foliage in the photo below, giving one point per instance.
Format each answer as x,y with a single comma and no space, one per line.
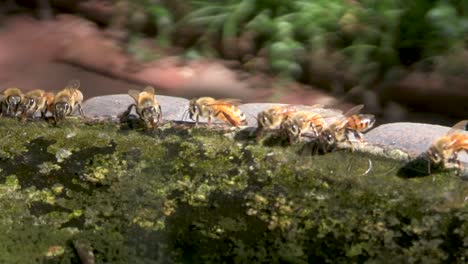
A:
372,35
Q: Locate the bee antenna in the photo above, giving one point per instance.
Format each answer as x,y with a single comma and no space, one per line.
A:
184,114
426,157
428,166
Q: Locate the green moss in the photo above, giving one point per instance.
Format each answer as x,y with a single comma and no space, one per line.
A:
191,195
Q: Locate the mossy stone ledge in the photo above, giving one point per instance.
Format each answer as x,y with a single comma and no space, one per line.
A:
181,194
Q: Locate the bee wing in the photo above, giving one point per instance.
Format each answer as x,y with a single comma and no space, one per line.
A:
317,106
314,116
462,125
335,117
149,89
288,109
226,101
134,94
354,110
330,114
75,84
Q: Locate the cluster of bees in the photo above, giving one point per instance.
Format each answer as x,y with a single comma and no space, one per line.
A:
290,121
444,150
298,125
15,103
311,124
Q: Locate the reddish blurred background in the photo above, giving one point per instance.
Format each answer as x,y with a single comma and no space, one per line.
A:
48,52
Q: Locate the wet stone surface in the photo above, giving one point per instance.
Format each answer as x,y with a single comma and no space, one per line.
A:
394,140
413,138
113,105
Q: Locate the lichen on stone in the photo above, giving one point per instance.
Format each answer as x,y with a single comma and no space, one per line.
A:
193,195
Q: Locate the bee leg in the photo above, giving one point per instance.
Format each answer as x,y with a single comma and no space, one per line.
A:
293,139
160,116
324,148
349,140
358,135
4,109
7,110
459,167
54,119
129,109
314,129
317,147
209,121
126,113
80,110
456,162
259,134
16,110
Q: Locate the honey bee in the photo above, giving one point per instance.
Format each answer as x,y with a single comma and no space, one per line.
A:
444,151
352,122
146,106
222,109
37,100
272,118
11,101
302,123
67,101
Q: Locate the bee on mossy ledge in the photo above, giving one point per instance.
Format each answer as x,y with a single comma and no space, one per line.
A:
67,101
225,110
37,101
10,101
443,152
146,107
50,106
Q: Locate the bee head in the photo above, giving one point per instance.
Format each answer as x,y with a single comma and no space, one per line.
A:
14,100
150,114
62,109
329,137
292,131
262,120
29,103
434,156
194,109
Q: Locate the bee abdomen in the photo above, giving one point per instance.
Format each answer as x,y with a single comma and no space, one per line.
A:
361,122
232,115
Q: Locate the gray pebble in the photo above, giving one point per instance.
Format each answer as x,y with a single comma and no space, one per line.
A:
113,105
413,138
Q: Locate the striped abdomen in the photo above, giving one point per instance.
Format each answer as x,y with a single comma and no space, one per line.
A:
360,123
